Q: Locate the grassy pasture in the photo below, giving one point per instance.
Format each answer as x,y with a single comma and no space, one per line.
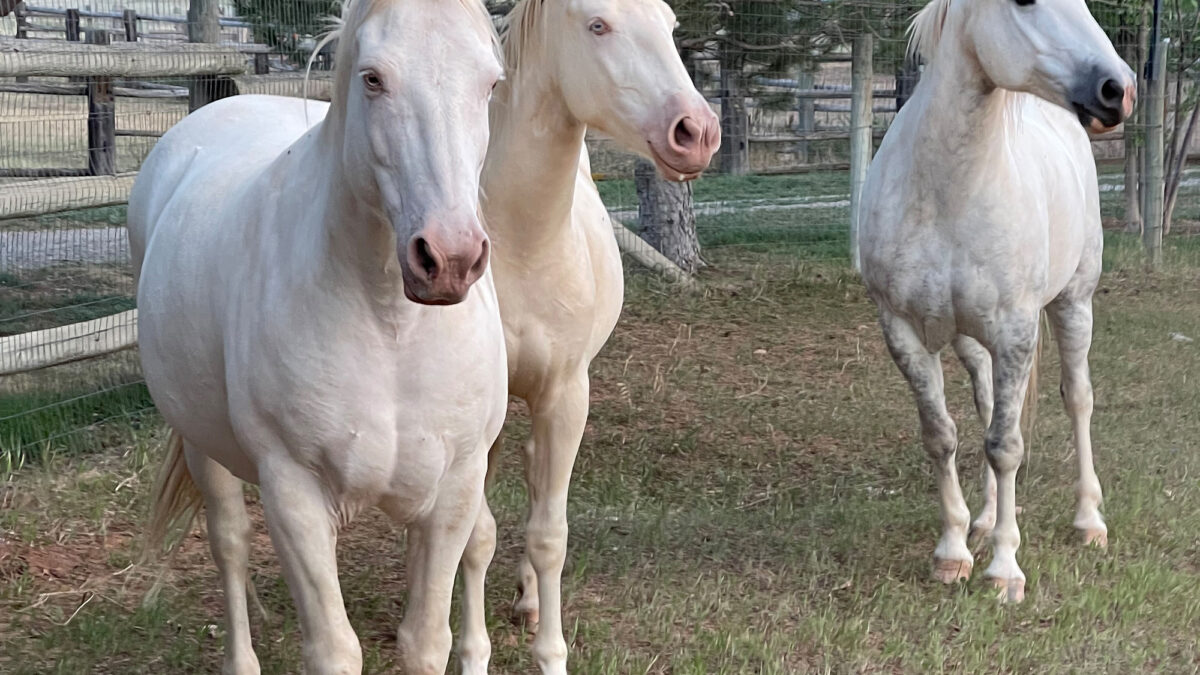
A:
751,496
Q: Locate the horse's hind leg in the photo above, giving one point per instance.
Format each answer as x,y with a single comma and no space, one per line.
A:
952,559
229,540
1071,319
978,363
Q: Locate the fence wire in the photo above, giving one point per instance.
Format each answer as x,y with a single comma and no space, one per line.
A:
86,90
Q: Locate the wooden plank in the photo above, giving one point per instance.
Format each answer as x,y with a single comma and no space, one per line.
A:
320,88
55,346
80,89
47,172
648,256
34,198
55,58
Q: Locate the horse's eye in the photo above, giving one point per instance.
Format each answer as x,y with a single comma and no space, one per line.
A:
598,26
372,82
1025,3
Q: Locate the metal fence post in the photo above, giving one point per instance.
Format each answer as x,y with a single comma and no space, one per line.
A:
861,116
1152,206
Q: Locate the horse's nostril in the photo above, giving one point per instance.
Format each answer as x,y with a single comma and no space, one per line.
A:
425,257
481,261
1112,93
684,136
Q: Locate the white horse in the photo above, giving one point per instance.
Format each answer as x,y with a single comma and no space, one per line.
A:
980,209
285,333
609,65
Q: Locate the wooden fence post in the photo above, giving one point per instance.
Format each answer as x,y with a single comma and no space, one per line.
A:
806,115
1152,206
734,154
20,13
203,25
129,18
72,25
861,117
102,117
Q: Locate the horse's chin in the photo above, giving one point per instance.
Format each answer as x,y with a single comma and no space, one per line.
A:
1090,122
412,296
669,172
1097,127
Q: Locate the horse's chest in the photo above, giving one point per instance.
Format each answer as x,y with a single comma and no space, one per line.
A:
379,415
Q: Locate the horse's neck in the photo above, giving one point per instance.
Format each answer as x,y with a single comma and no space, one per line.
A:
336,233
964,120
532,161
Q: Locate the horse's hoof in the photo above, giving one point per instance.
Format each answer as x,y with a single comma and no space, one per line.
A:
1095,536
951,571
1009,591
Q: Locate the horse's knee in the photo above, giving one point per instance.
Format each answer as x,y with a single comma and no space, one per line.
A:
940,440
546,544
1004,450
343,657
482,544
1077,395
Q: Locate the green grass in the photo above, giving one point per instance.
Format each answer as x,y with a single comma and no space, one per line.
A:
104,216
718,187
60,295
750,497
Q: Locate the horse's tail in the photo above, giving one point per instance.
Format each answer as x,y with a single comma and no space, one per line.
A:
1030,404
175,503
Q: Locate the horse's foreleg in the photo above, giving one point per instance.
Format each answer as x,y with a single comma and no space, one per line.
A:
304,531
475,649
1012,361
559,418
229,541
978,363
952,559
1072,322
436,545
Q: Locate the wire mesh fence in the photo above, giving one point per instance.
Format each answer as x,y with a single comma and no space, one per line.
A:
87,88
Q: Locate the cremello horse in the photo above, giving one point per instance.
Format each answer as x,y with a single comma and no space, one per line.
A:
610,65
980,209
285,333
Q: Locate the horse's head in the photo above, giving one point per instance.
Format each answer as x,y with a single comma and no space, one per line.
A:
414,81
1053,49
620,73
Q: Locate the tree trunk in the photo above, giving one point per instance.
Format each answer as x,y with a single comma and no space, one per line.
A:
1175,172
735,128
666,218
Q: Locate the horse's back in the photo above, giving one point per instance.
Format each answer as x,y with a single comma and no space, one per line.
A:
218,145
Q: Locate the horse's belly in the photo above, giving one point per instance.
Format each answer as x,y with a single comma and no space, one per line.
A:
184,371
